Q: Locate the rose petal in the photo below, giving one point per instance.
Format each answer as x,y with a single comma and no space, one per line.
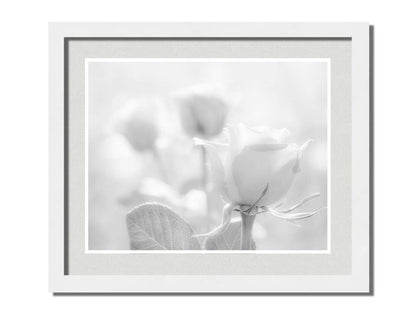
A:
214,162
252,170
230,186
266,147
299,204
272,134
262,135
297,168
293,216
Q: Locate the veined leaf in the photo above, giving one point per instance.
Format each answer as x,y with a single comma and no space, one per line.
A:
229,240
153,226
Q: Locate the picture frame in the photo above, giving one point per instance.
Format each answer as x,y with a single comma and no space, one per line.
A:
348,268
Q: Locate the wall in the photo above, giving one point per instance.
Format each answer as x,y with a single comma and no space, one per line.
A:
23,131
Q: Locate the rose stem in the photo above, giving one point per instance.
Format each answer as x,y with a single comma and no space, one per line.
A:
159,163
247,222
205,184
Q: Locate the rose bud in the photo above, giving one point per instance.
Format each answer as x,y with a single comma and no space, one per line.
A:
256,158
139,130
203,111
253,172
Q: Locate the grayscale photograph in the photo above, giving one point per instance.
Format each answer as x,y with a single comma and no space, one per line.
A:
207,155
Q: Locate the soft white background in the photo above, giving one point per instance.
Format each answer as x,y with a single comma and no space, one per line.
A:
290,95
24,145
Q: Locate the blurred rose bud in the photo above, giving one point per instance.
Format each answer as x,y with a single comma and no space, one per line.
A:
259,164
138,128
203,111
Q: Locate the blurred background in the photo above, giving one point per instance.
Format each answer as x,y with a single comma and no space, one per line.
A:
141,123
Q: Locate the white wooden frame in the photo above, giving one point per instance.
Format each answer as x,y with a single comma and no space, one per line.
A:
359,282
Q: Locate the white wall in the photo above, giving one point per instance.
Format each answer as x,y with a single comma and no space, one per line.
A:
23,137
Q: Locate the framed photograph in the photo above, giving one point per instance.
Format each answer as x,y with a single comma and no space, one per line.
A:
211,158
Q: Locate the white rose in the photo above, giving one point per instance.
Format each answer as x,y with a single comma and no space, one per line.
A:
137,128
203,111
140,133
255,170
255,159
